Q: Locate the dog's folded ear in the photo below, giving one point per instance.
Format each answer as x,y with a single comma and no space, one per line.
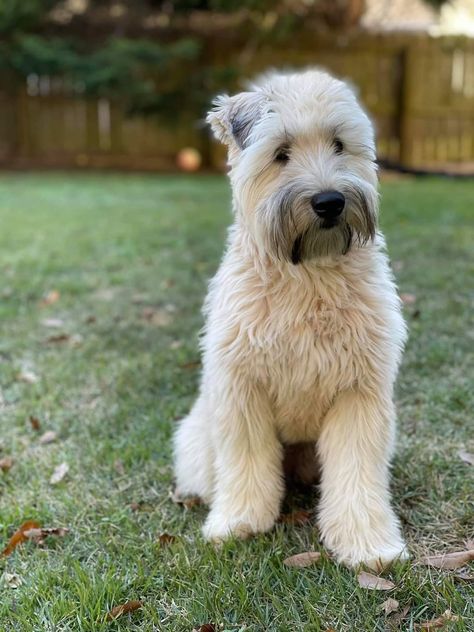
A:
233,118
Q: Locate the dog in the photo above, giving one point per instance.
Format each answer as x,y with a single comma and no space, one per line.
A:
304,332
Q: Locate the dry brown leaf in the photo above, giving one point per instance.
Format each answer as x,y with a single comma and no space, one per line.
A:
27,376
11,580
398,617
58,338
166,538
118,611
38,534
297,517
205,627
35,422
52,323
439,622
389,606
194,364
464,575
448,561
59,473
301,560
157,317
467,457
6,463
48,437
407,298
373,582
19,536
185,501
50,297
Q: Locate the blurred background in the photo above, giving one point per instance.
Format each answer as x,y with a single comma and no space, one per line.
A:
116,84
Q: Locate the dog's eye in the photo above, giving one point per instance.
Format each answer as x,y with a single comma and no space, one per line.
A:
282,155
338,146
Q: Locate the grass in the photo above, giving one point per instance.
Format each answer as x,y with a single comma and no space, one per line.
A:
130,256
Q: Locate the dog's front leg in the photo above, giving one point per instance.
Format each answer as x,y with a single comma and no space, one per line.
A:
356,520
248,464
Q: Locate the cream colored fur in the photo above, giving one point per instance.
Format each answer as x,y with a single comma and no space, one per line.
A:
298,352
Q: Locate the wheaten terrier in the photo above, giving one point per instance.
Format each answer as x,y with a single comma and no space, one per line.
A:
304,331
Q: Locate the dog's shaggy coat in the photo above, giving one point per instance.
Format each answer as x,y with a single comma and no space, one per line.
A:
304,332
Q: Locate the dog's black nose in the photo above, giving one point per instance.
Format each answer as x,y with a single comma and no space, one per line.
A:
328,204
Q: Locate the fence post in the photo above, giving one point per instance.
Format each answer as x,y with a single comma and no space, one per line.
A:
406,127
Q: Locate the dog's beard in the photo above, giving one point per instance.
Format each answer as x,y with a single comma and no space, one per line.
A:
298,235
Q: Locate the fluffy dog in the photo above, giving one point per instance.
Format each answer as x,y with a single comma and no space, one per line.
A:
304,332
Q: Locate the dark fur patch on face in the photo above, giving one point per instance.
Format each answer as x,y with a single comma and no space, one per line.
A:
296,250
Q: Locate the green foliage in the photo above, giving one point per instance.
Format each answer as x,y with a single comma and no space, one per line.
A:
140,72
18,15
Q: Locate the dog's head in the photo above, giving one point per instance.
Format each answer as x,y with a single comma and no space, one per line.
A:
302,158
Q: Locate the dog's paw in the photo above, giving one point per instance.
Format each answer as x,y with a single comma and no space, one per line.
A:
386,558
219,527
375,559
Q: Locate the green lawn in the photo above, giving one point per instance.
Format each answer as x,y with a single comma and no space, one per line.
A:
130,256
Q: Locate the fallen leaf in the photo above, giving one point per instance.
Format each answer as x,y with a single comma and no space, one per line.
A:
38,534
194,364
141,505
48,437
205,627
467,457
185,501
408,299
118,611
464,575
440,622
52,323
166,538
90,320
11,580
59,473
157,316
301,560
58,338
399,616
19,536
389,606
6,463
373,582
27,376
49,298
35,422
298,517
448,561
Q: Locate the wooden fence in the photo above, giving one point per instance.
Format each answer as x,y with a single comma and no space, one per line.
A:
419,91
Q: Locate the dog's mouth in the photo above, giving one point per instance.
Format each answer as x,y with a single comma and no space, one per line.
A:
320,243
327,224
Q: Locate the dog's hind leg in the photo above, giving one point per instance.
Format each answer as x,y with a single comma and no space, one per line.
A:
193,454
355,516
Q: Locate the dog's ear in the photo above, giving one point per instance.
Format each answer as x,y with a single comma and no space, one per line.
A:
232,118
